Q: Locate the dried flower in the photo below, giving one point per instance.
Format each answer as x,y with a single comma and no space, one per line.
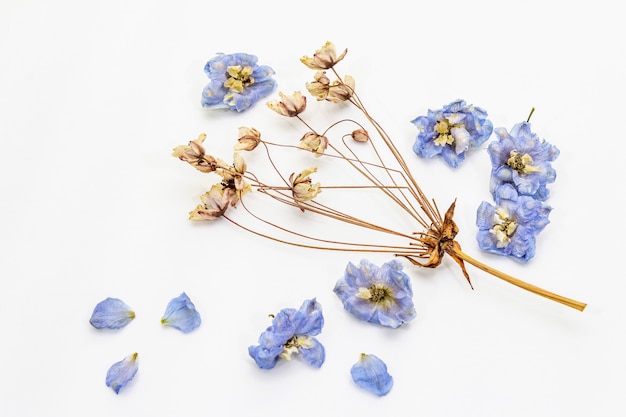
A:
324,58
510,227
315,143
288,106
360,135
181,314
214,203
370,373
302,187
122,372
451,131
292,332
381,295
111,313
249,139
194,155
522,159
319,88
236,82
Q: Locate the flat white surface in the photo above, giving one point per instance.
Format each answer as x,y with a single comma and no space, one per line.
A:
94,96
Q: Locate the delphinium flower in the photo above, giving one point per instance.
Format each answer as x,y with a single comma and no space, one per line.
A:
381,295
236,82
370,373
181,314
111,313
522,159
292,332
511,226
122,372
451,132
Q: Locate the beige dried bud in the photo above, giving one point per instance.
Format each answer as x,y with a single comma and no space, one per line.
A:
214,203
194,155
341,91
302,187
313,142
324,58
249,139
360,135
289,106
319,88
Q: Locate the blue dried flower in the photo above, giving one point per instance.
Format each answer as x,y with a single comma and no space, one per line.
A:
111,313
377,295
122,372
522,159
451,131
292,331
510,227
236,82
181,314
371,374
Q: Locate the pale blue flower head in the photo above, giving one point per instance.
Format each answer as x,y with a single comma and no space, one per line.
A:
236,82
381,295
370,373
510,227
292,332
122,372
451,131
111,313
181,314
522,159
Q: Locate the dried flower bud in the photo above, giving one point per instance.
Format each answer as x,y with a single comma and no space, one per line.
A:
302,187
341,91
249,139
324,58
315,143
289,106
194,155
214,203
319,88
360,135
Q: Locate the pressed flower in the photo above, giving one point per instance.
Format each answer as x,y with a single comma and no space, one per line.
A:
111,313
236,82
249,139
324,58
292,332
181,314
303,188
522,159
451,131
319,88
214,203
381,295
288,106
370,373
122,372
510,227
315,143
194,155
360,135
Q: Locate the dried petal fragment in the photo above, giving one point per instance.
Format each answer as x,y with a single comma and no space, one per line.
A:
181,314
111,313
370,373
122,372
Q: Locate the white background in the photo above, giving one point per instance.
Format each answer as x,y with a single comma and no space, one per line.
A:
94,96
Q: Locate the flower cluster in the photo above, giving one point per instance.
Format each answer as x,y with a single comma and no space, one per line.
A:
113,313
451,131
521,169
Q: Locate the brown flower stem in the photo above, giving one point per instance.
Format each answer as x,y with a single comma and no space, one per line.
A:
580,306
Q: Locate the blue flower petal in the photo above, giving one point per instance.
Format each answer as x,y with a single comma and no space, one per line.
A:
111,313
370,373
181,314
315,354
122,372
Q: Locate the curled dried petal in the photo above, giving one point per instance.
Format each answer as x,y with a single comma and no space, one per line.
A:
324,58
249,139
214,203
289,106
194,155
313,142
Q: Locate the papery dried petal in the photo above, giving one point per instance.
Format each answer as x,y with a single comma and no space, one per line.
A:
313,142
122,372
111,313
341,91
289,106
319,88
214,203
249,139
370,373
302,187
181,314
194,155
360,135
324,58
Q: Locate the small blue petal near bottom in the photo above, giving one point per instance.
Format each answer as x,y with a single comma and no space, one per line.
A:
122,372
370,373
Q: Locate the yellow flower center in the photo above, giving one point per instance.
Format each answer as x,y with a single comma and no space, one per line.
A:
443,127
294,344
238,78
504,228
376,293
521,163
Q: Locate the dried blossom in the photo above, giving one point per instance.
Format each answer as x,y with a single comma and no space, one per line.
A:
370,373
214,203
324,58
111,313
236,82
194,155
302,186
319,88
289,106
122,372
249,139
336,92
360,135
315,143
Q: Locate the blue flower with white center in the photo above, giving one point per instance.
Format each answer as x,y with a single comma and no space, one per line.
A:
122,372
370,373
292,332
522,159
236,82
181,314
381,295
451,131
510,227
111,313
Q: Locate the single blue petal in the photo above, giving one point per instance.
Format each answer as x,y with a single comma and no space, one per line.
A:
310,319
265,357
181,314
370,373
315,354
111,313
122,372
